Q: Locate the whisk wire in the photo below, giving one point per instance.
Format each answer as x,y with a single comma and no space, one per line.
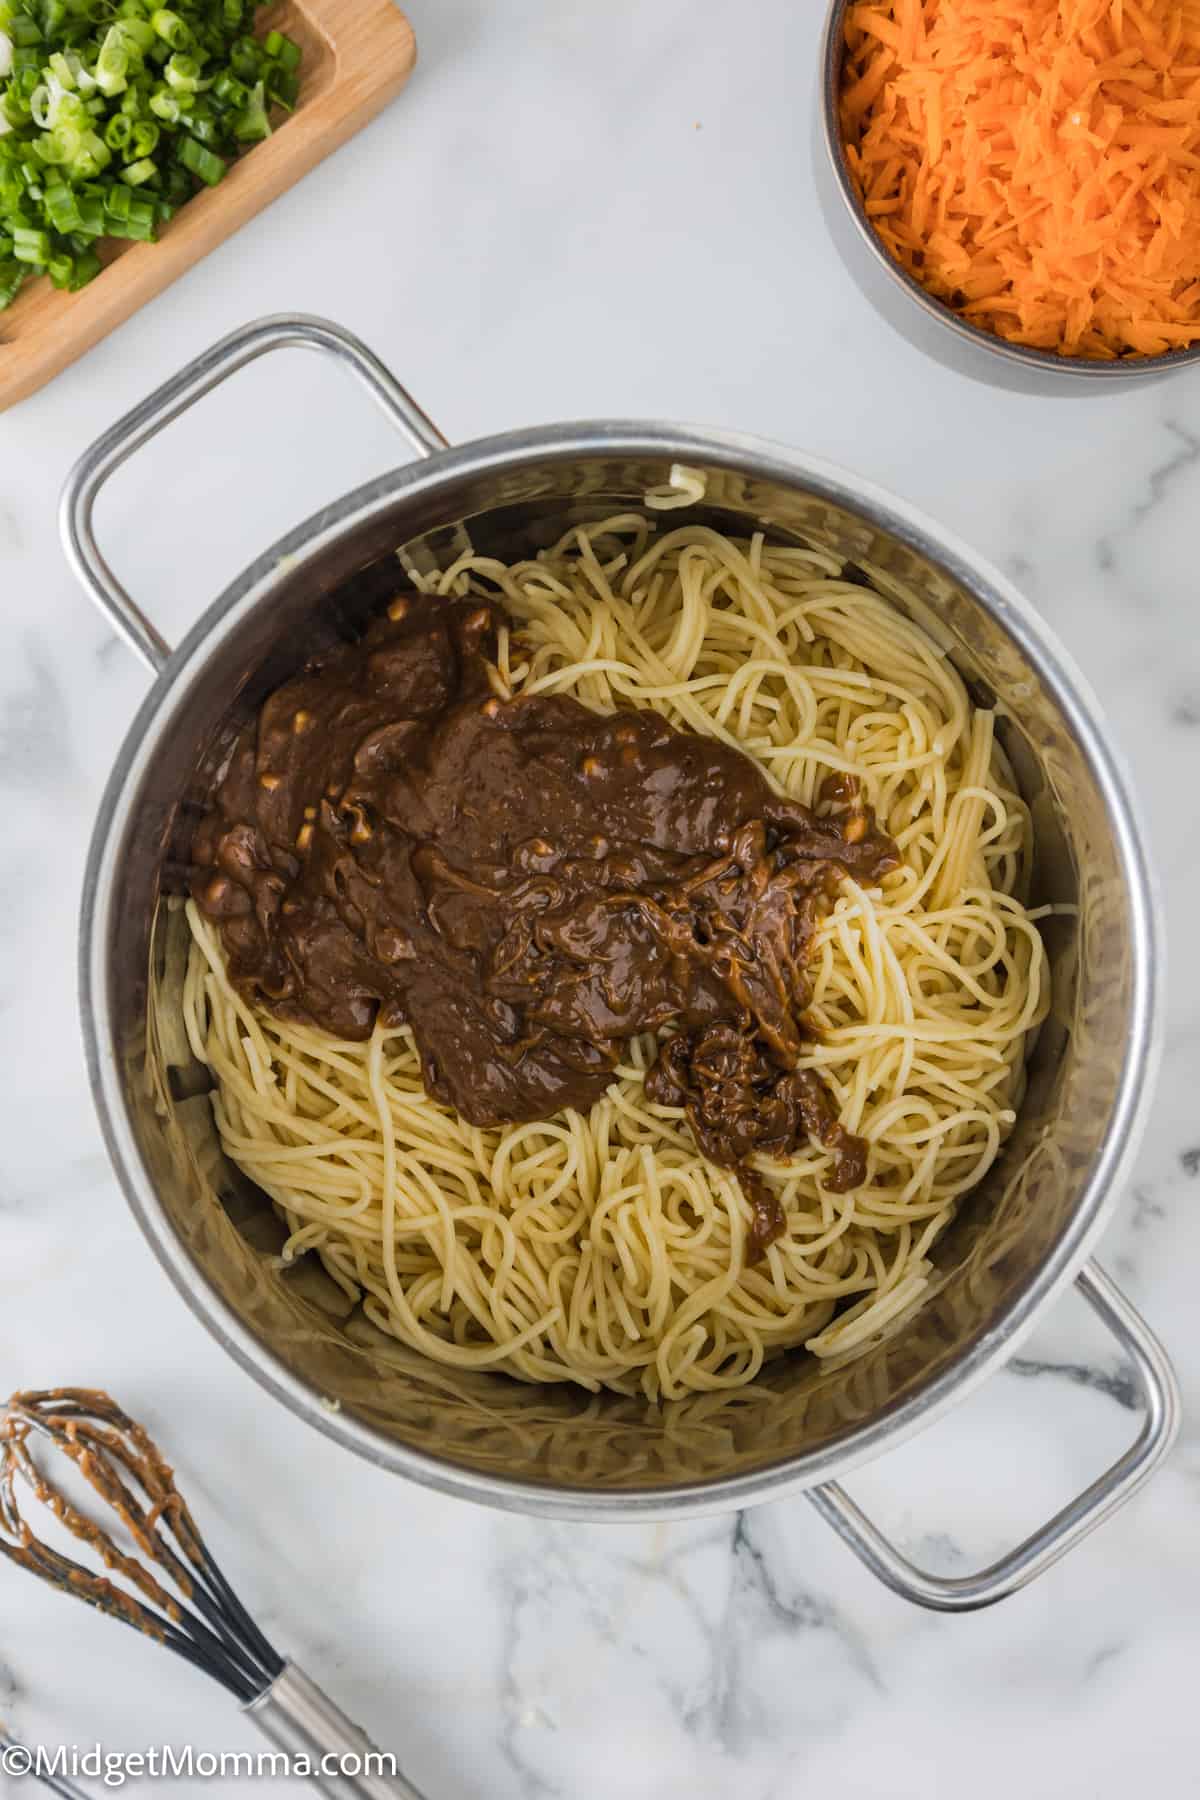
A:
208,1625
200,1581
240,1620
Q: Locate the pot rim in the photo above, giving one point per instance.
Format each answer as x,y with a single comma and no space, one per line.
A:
763,459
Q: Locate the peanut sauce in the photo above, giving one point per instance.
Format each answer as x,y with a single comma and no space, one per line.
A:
127,1471
528,885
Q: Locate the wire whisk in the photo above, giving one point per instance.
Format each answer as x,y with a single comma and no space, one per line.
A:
207,1624
198,1615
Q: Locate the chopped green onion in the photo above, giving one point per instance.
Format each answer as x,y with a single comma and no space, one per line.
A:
202,123
112,64
285,88
12,276
114,112
64,69
177,184
138,32
166,107
172,29
229,91
87,267
118,133
32,246
183,73
69,110
245,59
61,146
287,54
252,123
62,208
93,155
201,161
140,230
91,214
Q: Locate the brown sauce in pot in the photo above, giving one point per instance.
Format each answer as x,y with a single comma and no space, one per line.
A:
529,884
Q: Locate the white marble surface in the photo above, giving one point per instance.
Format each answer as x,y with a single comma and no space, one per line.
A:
580,209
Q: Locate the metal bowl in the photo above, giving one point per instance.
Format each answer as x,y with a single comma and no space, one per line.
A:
927,322
1022,1236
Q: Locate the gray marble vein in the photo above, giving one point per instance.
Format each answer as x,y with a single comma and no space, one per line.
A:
1157,485
1119,1385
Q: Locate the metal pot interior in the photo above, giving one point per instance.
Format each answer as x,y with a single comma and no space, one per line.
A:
488,1434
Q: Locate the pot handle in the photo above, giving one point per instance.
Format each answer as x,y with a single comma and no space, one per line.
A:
964,1593
283,331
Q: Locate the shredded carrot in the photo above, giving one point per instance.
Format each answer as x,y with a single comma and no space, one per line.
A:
1035,164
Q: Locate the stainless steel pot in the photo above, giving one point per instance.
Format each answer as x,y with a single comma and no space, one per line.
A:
1022,1237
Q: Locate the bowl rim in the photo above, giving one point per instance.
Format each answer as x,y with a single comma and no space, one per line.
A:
1045,361
512,452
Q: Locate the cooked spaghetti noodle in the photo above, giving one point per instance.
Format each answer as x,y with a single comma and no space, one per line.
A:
602,1248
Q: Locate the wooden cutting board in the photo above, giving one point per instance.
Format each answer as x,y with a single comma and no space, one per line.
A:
358,54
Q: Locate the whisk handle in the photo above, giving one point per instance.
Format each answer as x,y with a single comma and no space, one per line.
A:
302,1720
